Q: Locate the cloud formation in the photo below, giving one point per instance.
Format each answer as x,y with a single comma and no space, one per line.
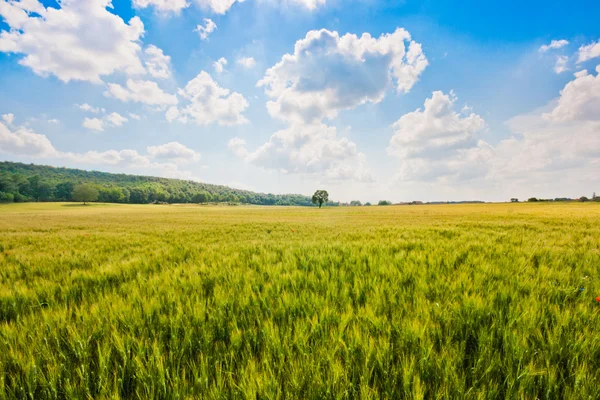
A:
163,160
589,52
437,142
98,124
307,149
555,44
328,73
208,103
157,63
139,91
220,64
62,41
162,6
205,30
246,62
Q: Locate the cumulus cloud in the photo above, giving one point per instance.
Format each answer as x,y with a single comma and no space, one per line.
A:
162,160
94,124
328,73
146,92
135,116
307,149
560,142
88,108
23,141
65,43
561,64
173,151
217,6
246,62
309,4
589,52
209,103
111,120
116,119
162,6
436,142
555,44
579,100
157,63
8,118
220,64
208,28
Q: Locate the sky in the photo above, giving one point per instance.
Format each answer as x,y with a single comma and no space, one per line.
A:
400,100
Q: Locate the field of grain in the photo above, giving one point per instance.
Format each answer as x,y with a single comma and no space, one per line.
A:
183,302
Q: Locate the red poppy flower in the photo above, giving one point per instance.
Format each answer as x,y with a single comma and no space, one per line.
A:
598,299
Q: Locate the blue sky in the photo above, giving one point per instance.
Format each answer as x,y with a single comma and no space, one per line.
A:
399,100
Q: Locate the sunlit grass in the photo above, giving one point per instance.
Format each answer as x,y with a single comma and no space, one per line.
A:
462,301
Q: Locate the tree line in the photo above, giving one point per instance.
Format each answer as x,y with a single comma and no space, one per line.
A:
28,182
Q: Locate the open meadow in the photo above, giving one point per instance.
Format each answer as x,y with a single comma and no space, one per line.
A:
400,302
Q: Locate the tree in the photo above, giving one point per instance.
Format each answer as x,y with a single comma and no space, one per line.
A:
583,199
532,200
320,197
85,193
355,203
63,191
200,197
384,203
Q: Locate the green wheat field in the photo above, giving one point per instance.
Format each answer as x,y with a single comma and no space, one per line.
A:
487,301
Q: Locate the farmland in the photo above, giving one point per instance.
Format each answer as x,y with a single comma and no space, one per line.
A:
177,302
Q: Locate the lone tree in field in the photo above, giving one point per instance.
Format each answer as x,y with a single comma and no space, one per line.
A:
320,197
85,193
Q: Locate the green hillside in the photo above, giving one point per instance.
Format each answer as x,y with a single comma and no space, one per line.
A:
28,182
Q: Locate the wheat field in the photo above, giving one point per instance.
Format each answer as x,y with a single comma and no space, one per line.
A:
486,301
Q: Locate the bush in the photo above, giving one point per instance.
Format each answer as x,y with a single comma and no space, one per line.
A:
6,197
19,198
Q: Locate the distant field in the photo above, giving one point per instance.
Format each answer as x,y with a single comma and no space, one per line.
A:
182,302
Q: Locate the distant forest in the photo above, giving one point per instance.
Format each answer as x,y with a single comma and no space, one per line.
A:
28,182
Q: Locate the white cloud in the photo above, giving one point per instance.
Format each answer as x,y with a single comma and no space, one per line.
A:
209,103
556,148
112,120
146,92
561,64
87,107
309,4
135,116
579,100
208,28
53,121
437,142
328,73
162,6
555,44
246,62
8,118
23,141
157,63
26,143
116,119
81,40
173,151
94,124
217,6
220,64
307,149
589,52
